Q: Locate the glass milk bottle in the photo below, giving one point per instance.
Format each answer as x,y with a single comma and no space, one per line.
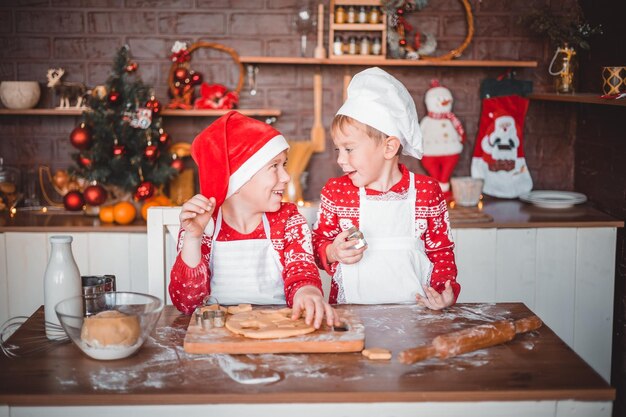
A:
61,281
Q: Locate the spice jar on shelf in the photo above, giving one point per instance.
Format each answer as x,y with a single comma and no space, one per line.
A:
362,15
365,46
351,16
338,45
340,15
374,15
352,46
377,46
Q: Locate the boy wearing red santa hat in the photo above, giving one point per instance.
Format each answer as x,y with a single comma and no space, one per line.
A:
403,216
238,242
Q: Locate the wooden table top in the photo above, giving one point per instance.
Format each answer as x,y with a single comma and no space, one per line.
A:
534,366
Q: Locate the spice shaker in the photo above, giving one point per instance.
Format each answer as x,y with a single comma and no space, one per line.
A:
338,45
340,15
356,234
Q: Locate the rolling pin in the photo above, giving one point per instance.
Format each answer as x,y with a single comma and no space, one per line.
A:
471,339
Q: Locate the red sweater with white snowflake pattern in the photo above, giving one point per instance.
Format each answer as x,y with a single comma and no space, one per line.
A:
291,238
339,210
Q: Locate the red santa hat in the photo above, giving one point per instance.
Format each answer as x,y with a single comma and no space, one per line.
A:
231,150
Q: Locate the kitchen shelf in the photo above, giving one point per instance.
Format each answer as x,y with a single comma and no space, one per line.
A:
165,112
587,98
383,62
359,27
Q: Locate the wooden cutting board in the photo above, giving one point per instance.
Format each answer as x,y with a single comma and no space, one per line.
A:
323,340
460,214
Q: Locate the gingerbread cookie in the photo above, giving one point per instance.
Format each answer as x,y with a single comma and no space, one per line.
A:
374,354
267,324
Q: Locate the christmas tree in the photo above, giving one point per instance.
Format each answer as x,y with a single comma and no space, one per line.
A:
121,142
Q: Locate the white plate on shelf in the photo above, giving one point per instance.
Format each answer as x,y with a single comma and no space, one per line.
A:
553,199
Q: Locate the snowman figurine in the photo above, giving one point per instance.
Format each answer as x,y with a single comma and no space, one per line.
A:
443,136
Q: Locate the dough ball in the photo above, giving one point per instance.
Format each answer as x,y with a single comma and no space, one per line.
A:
110,328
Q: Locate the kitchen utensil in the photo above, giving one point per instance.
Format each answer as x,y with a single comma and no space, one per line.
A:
318,134
325,339
320,51
471,339
145,308
551,199
299,154
467,190
34,341
305,24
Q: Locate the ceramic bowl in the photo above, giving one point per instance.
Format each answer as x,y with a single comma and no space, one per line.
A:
19,94
117,326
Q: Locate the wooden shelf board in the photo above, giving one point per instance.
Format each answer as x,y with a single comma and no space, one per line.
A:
357,2
357,60
166,112
588,98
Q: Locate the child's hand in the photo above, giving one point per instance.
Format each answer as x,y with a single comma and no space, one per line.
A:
342,250
196,214
434,300
309,300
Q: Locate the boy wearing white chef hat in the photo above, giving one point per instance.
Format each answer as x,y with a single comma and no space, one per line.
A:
403,216
238,242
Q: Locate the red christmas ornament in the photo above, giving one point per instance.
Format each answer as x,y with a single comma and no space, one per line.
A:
402,42
84,161
114,97
132,67
196,77
144,190
81,137
119,150
164,138
400,12
181,73
151,152
154,105
178,165
73,201
95,195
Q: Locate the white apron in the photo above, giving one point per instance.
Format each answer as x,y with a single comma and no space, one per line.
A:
246,271
394,266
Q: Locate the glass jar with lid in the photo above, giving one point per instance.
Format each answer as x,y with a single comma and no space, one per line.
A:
365,46
351,17
377,47
362,15
340,15
338,45
352,46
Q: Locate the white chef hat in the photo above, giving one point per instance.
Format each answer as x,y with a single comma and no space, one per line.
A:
377,99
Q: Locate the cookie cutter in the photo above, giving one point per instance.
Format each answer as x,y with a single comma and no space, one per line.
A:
356,234
219,318
208,319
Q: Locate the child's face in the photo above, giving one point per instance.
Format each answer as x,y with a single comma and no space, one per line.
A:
265,189
358,155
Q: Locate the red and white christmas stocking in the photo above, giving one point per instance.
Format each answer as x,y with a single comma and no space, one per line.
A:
499,153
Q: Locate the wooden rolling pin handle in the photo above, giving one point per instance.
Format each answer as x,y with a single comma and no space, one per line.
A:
474,338
527,324
320,25
417,354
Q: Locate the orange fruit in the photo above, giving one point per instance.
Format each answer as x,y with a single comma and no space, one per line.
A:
144,209
163,200
124,212
106,214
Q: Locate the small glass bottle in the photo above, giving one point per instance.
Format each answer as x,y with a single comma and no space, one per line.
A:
61,280
352,46
362,15
377,47
374,15
351,18
340,15
338,45
365,46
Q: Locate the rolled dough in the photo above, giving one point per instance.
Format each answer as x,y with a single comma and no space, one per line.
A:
376,354
267,324
110,328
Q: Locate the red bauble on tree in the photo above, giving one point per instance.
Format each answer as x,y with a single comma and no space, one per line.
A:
74,201
81,137
181,73
154,105
114,97
119,150
131,67
178,164
164,138
95,195
144,190
151,152
196,77
84,161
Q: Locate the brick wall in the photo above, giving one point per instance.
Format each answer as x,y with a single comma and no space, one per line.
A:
82,36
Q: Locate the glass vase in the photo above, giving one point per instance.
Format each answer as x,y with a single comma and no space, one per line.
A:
564,67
